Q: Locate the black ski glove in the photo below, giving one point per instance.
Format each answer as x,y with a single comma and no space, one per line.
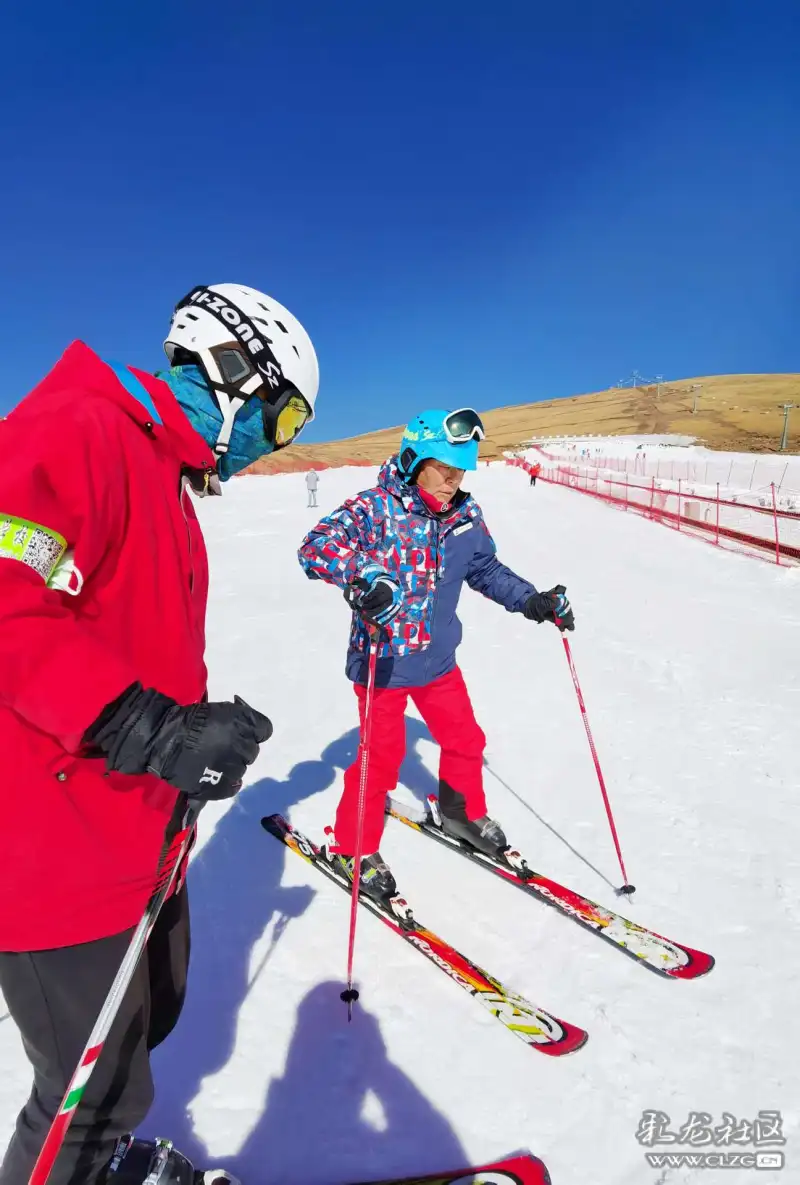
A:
203,749
551,606
375,595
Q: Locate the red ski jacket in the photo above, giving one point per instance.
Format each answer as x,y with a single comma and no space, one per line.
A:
103,581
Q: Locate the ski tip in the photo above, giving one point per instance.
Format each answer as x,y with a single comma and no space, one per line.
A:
274,823
580,1042
699,965
572,1040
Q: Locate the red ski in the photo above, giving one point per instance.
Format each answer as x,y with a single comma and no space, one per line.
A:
516,1170
659,954
539,1030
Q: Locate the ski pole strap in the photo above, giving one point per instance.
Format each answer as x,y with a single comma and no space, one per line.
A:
182,821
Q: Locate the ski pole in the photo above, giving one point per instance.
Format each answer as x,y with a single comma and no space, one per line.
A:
350,994
626,889
168,865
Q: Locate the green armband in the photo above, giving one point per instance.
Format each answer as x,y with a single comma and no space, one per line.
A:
28,543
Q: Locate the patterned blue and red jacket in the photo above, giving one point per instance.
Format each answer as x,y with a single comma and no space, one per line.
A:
429,555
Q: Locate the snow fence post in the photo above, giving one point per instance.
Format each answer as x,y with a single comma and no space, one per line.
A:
775,516
679,504
717,539
652,494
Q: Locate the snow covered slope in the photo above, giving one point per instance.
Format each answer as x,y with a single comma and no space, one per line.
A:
690,663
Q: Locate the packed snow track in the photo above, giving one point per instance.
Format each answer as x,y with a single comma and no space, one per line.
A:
690,662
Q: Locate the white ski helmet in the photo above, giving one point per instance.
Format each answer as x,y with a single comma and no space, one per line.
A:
249,346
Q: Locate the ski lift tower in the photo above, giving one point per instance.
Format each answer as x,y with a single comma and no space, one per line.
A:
635,379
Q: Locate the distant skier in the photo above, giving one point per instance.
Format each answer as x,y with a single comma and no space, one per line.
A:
401,552
536,469
312,481
105,722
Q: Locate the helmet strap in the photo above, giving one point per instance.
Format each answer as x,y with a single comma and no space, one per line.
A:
230,407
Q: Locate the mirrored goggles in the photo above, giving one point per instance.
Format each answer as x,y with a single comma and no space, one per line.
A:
463,425
290,420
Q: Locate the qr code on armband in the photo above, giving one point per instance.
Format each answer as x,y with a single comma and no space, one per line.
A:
31,544
42,553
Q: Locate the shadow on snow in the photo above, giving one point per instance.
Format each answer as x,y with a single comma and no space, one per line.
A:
341,1110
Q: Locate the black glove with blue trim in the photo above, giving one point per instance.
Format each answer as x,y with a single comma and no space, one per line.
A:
375,595
551,606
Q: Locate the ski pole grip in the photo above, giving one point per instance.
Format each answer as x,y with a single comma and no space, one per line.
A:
192,809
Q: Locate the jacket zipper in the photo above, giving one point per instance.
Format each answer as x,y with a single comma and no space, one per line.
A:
437,529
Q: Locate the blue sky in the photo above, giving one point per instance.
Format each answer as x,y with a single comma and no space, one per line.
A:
465,204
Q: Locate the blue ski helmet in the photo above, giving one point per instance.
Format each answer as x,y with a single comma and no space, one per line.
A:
448,436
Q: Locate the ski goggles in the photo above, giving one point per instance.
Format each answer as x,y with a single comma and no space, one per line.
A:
463,425
284,424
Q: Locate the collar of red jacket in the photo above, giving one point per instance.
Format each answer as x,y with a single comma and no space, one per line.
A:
81,368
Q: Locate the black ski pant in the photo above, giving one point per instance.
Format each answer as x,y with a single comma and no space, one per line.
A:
54,996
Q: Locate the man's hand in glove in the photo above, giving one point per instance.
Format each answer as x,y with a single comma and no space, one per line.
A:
551,606
375,595
203,749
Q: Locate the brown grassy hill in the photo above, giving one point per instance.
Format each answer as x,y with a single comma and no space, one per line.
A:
741,412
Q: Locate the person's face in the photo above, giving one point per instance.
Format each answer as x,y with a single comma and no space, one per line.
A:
439,480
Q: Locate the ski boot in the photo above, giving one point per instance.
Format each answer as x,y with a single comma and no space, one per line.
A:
450,813
376,880
484,835
157,1162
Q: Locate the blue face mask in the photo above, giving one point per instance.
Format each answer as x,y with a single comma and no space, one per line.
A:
197,401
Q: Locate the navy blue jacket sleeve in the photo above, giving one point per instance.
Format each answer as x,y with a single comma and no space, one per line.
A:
487,575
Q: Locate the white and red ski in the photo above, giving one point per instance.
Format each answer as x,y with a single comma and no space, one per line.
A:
652,950
515,1170
538,1029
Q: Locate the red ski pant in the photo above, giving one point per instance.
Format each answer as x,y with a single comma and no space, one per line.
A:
446,709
